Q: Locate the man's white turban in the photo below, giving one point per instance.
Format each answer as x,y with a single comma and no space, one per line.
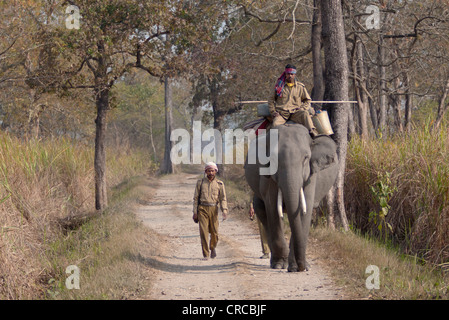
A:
211,165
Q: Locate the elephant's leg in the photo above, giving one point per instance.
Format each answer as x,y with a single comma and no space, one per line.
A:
292,265
300,225
276,240
297,254
292,261
259,209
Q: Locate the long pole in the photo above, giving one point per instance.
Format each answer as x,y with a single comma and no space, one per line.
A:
249,102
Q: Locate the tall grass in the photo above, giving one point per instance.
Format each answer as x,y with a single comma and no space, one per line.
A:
42,182
398,189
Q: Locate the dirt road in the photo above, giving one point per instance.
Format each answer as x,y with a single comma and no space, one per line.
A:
236,273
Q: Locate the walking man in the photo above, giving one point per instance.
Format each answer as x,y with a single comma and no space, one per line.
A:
209,193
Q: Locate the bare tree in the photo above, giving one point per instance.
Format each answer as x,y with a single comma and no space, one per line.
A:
318,81
443,106
167,166
336,81
115,36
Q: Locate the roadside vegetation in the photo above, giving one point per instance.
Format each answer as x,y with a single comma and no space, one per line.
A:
46,218
396,196
398,191
346,256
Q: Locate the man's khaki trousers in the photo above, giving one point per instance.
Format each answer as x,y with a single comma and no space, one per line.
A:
263,238
301,116
208,223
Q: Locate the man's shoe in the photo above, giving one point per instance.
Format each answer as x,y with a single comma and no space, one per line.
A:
265,256
213,254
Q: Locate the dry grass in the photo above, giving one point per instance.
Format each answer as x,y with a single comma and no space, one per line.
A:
347,256
413,171
40,183
107,250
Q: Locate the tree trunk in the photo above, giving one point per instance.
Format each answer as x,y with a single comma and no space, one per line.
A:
396,97
153,148
196,115
373,116
382,86
336,81
359,88
102,103
442,106
396,104
408,103
318,81
214,88
351,123
34,112
167,165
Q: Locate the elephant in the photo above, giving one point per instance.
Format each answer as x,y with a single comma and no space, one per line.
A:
306,170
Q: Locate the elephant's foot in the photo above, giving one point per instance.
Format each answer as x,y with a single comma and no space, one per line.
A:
278,264
294,267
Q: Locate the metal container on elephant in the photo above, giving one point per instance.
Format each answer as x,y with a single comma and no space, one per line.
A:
322,123
263,110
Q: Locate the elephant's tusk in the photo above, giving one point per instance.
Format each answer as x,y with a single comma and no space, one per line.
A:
281,214
303,201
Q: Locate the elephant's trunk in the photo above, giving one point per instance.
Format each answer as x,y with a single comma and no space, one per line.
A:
302,199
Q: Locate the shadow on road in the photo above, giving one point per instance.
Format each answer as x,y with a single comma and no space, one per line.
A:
155,263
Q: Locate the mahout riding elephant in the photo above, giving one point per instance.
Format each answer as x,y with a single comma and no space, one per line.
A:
306,170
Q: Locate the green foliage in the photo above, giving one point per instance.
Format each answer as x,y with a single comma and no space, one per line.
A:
382,192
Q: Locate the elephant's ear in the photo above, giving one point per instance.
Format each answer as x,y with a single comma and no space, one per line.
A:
324,154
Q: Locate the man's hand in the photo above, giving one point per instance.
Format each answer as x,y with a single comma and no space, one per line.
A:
195,217
311,111
225,215
275,114
251,213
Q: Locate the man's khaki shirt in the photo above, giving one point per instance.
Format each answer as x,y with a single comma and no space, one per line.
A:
212,192
292,98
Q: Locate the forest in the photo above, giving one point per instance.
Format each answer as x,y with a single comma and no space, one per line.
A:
90,91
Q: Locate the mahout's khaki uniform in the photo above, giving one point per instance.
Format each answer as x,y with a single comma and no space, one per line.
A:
291,102
293,105
262,233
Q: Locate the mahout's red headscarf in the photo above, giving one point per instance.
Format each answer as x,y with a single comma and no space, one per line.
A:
281,81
